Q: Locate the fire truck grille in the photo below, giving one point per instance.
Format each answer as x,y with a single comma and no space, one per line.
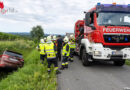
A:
117,38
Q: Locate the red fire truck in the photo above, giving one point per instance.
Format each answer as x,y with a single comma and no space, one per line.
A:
104,34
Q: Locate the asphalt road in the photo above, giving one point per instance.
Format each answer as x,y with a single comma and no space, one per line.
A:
100,76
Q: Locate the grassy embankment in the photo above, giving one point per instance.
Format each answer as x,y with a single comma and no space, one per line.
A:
33,75
128,62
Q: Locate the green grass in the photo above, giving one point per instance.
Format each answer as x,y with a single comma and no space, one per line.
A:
33,76
18,45
21,46
127,62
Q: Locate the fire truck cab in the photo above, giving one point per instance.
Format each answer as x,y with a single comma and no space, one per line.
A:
104,34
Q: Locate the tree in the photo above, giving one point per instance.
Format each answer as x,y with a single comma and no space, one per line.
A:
37,33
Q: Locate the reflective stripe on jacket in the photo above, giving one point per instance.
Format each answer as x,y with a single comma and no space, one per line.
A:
66,50
49,49
72,44
42,48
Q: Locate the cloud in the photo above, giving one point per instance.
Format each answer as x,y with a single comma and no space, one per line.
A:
55,16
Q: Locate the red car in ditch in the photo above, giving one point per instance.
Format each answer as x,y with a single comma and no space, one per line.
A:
11,60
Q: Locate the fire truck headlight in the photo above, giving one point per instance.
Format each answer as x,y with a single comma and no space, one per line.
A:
97,53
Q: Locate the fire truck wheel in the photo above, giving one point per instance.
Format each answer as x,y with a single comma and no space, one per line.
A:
119,63
85,58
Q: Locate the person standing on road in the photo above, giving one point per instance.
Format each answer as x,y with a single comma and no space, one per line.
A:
41,48
50,50
54,40
65,53
59,47
55,43
72,47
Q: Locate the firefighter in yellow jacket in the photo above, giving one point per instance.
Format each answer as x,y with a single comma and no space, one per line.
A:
65,53
72,47
41,48
50,50
54,40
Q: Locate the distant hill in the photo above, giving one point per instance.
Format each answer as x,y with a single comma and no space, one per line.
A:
19,33
9,36
27,33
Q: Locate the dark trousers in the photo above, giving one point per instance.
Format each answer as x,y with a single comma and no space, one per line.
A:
52,61
64,61
59,53
71,53
42,57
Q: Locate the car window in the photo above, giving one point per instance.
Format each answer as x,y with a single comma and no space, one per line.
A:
13,54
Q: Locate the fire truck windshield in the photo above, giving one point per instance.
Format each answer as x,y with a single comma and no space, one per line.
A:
113,19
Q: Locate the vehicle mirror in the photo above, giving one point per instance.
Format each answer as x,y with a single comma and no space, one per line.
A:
87,19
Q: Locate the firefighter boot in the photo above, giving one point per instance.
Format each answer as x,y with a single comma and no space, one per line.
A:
66,66
62,67
58,72
71,59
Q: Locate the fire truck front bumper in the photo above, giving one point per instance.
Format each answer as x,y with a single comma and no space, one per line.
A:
100,52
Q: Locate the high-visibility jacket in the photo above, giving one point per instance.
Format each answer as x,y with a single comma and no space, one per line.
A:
72,44
66,50
49,49
42,48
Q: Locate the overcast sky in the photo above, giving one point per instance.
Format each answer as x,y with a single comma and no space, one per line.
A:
55,16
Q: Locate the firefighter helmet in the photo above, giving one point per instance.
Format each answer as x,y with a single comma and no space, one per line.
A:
66,39
72,36
42,40
49,38
54,37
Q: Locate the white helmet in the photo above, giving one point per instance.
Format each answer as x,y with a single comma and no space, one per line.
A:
49,38
45,38
66,39
41,40
72,36
54,37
